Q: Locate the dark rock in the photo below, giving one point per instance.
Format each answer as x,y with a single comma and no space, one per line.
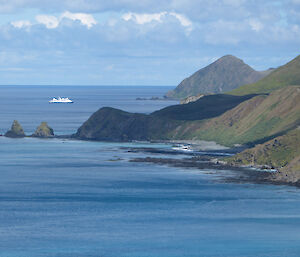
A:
43,131
15,131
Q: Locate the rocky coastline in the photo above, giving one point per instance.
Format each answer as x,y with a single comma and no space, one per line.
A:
258,174
214,158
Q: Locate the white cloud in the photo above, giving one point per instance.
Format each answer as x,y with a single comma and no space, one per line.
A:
21,24
51,22
182,19
85,19
143,18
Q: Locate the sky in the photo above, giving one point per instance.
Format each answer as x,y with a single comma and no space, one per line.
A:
139,42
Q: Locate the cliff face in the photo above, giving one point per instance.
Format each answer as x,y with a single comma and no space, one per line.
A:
15,131
43,130
225,74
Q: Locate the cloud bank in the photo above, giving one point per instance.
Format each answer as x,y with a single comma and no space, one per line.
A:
130,42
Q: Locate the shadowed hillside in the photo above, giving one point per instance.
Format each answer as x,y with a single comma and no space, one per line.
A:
109,124
206,107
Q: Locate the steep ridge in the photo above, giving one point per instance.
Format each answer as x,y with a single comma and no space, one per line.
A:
286,75
254,120
223,75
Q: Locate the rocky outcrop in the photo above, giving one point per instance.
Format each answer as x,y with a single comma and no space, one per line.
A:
44,131
191,99
15,131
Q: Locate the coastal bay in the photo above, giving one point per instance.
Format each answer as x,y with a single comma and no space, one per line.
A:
64,197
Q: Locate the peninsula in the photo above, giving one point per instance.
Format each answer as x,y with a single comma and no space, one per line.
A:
251,115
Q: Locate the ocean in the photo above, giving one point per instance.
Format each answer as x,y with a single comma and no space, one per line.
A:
71,198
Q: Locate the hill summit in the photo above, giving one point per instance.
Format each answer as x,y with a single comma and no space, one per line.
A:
225,74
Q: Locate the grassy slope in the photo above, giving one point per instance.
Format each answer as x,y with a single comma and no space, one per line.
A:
282,152
253,120
286,75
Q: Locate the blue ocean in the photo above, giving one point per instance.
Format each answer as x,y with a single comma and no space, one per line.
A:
71,198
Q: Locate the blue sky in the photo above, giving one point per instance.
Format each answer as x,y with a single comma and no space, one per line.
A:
130,42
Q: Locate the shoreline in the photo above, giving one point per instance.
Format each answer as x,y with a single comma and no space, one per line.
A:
212,161
201,159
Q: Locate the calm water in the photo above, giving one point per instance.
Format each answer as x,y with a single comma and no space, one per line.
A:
30,106
77,199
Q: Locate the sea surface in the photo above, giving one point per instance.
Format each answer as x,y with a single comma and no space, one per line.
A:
71,198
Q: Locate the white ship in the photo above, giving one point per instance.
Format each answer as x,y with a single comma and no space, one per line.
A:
61,100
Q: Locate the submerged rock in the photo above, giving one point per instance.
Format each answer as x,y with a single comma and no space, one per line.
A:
16,130
43,130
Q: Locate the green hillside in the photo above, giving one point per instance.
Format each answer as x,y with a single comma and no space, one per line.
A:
254,120
286,75
282,153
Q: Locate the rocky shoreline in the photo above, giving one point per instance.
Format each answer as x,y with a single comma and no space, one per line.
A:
213,158
212,161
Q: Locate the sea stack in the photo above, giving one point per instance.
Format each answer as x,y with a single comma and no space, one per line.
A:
16,130
43,130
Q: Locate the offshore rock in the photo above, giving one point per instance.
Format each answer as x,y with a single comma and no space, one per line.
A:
15,131
43,130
